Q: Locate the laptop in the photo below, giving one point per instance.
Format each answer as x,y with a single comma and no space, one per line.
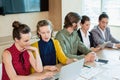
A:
71,71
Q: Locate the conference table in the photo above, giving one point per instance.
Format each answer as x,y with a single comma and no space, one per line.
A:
112,68
112,55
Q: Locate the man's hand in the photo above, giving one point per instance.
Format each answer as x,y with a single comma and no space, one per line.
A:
90,57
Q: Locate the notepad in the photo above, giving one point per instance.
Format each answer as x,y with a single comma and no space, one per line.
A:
88,73
104,44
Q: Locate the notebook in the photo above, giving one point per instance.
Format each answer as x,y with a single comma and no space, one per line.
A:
71,71
102,46
89,73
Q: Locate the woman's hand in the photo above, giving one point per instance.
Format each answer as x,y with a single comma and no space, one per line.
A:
117,45
46,75
31,48
51,68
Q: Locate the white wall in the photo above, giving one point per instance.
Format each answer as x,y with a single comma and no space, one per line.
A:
0,71
115,32
30,19
6,21
71,6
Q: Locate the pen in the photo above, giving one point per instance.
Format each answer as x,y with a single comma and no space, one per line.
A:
86,66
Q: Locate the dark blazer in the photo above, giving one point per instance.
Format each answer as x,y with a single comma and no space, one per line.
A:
99,39
92,43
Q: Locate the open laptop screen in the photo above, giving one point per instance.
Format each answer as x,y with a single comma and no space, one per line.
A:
71,71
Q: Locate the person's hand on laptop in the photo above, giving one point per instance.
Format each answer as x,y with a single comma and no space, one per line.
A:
71,60
90,57
75,59
47,75
51,68
95,49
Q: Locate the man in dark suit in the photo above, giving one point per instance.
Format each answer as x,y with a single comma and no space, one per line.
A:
101,33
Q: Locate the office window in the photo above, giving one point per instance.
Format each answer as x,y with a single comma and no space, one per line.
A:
32,5
93,8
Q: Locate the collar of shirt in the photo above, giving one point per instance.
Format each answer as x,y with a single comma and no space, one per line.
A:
84,34
102,31
85,38
67,33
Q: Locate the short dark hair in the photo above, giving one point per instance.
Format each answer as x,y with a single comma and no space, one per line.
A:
103,15
19,28
70,18
84,18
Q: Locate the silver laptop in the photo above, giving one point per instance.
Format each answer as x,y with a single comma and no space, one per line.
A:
71,71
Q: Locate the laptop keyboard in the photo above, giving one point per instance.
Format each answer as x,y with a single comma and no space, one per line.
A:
48,79
55,77
52,78
88,73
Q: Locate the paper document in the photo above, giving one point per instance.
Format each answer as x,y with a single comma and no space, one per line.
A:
89,73
104,44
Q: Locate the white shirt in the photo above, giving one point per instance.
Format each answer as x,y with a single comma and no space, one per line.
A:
85,38
103,32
